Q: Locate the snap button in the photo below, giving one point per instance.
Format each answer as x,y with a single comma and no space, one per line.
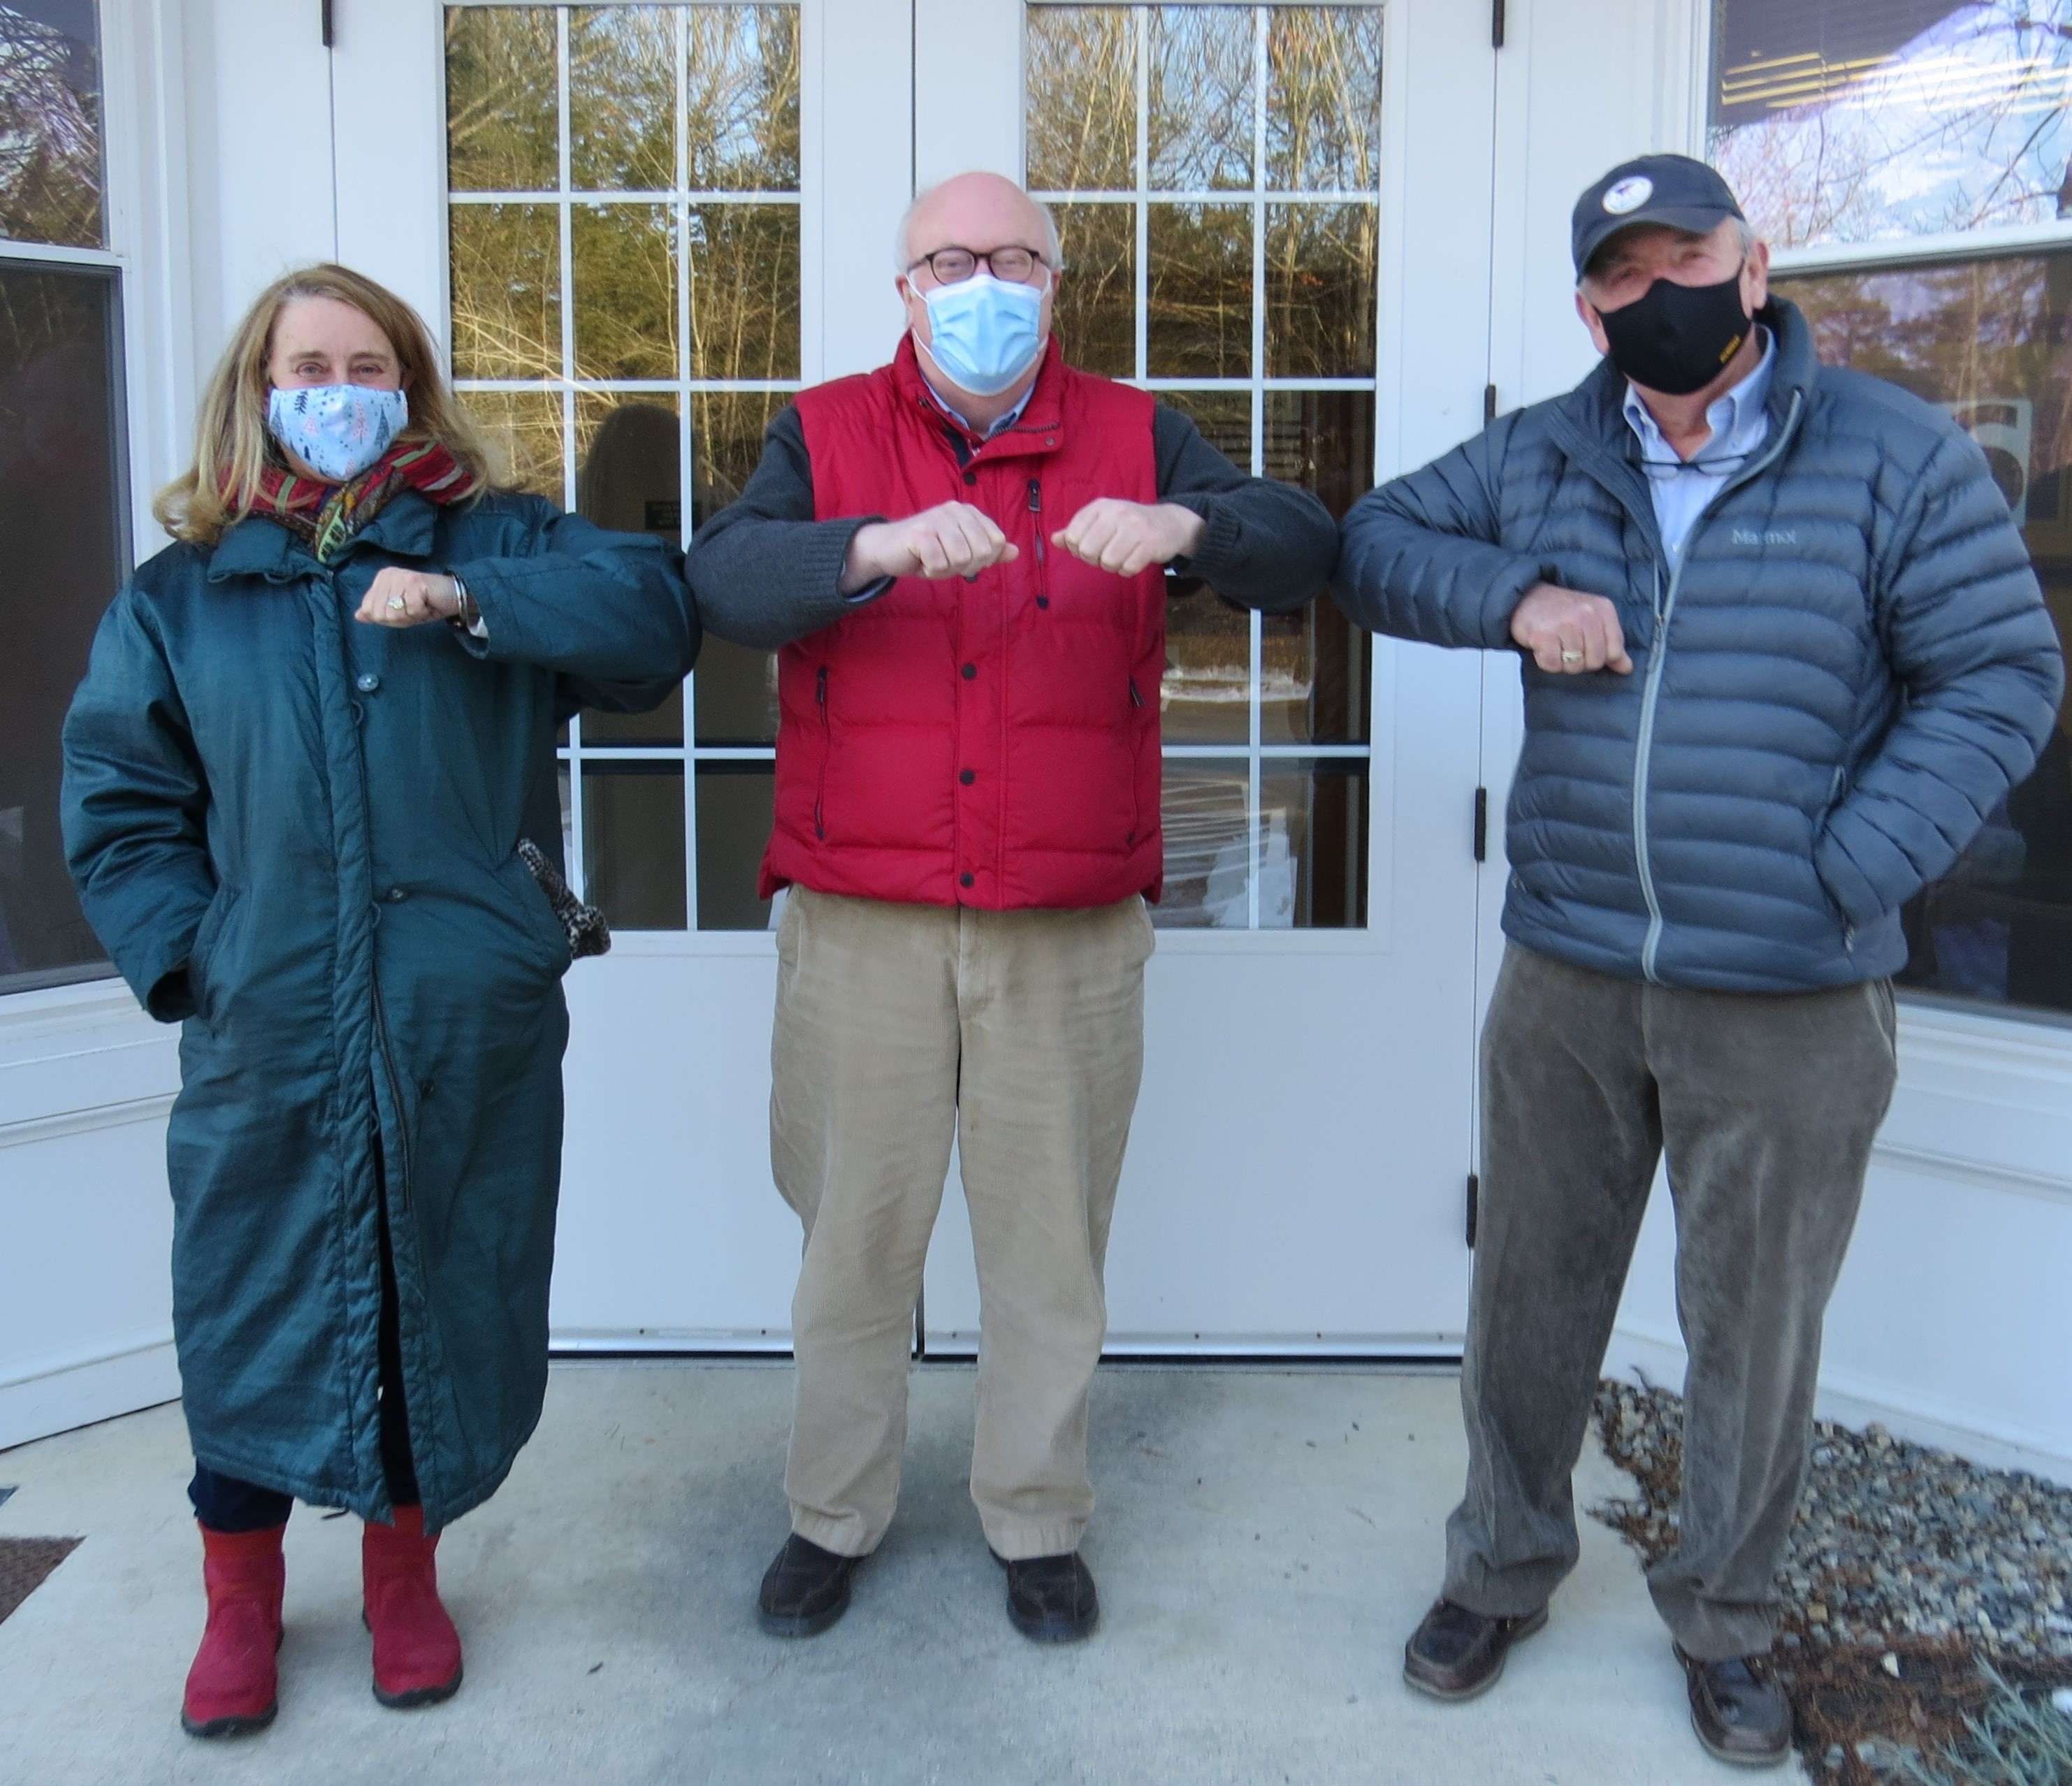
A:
971,477
969,777
368,682
396,895
1042,601
971,671
970,880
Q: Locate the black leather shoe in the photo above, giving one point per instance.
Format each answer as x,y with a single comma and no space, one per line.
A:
1455,1654
1051,1600
805,1590
1739,1711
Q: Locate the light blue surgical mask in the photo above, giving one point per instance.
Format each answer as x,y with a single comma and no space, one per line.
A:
337,430
984,332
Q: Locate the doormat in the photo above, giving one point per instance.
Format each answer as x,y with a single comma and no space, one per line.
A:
24,1563
1926,1636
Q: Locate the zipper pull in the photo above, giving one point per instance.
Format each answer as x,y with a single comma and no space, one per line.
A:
1036,509
820,687
1136,699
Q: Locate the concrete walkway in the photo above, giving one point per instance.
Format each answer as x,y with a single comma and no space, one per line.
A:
1265,1542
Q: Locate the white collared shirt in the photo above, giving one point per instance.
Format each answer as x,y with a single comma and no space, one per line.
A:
1680,489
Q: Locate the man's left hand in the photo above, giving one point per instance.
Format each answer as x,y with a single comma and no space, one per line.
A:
400,597
1129,537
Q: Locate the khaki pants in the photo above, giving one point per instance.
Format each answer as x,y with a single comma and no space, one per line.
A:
1020,1034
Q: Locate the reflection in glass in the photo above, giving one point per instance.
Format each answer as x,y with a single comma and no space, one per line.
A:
736,802
633,844
1208,848
1205,694
1199,303
1080,75
1986,341
507,289
62,503
1313,843
621,99
741,95
736,684
1199,107
625,269
524,431
744,272
1836,121
1096,313
1322,272
50,122
1323,99
1313,666
502,128
628,452
1224,418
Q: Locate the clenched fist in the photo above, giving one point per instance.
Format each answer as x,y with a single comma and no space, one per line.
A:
951,539
1126,537
400,597
1569,632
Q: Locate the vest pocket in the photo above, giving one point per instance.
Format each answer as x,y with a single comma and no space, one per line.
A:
827,750
1136,780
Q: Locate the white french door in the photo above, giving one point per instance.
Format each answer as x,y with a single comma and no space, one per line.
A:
638,228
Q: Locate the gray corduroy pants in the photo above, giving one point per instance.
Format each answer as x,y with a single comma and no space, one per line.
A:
1766,1107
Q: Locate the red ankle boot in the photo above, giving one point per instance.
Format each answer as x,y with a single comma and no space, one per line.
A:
230,1686
417,1651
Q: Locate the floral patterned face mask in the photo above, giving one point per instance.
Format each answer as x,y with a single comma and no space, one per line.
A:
337,430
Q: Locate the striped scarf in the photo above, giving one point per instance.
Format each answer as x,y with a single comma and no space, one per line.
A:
329,515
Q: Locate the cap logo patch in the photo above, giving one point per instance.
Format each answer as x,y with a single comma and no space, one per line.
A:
1630,194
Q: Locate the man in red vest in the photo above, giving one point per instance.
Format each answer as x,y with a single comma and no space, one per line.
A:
962,556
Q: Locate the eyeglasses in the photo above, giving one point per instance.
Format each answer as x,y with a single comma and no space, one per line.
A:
952,266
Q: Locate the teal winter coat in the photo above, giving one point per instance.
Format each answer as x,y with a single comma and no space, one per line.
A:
297,835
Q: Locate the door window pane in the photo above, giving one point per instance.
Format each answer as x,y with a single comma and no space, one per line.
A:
62,501
633,843
736,805
50,122
1990,342
1237,151
683,243
627,447
1837,121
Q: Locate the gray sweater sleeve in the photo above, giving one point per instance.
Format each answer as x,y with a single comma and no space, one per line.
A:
763,571
1268,545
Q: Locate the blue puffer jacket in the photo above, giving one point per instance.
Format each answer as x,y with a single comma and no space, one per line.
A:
1850,667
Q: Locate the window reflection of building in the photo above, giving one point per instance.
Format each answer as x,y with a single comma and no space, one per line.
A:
1987,340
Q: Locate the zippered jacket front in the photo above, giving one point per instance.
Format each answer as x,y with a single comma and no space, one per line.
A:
1847,670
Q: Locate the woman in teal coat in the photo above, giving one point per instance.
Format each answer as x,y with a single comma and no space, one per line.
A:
312,806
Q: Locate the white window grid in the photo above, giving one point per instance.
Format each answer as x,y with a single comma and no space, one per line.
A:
1256,753
576,756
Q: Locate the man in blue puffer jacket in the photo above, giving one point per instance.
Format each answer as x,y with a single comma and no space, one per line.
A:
1783,653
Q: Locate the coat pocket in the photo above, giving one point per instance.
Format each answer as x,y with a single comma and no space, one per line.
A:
536,912
209,939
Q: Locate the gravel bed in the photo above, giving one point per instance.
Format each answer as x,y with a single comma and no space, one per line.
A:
1910,1572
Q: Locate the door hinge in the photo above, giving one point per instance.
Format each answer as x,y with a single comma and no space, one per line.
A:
1482,825
1474,1206
324,22
1489,405
1496,24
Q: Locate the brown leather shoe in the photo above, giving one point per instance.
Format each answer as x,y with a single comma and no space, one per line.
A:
1456,1654
1739,1711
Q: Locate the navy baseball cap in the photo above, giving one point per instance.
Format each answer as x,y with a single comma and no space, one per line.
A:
1673,190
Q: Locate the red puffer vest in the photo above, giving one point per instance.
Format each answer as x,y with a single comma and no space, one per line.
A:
993,743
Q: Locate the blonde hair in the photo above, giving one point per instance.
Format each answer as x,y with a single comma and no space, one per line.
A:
232,445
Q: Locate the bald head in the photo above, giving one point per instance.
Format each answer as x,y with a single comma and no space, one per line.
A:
975,211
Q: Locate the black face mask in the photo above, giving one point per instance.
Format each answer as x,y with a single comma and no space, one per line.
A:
1677,339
